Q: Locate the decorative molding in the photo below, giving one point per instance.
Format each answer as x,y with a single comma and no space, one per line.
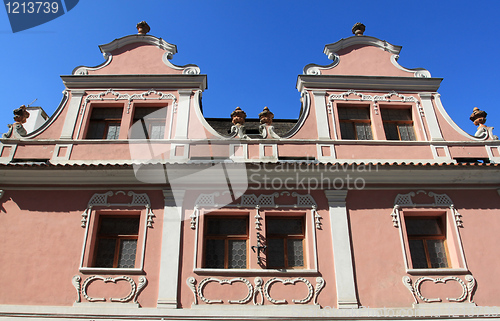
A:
333,48
194,217
285,282
225,281
315,70
186,69
316,217
416,293
252,200
259,288
133,294
375,99
306,106
106,49
257,217
102,200
417,72
84,70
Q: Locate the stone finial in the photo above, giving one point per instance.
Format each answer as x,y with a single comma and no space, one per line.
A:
358,29
238,116
21,114
142,28
478,117
266,116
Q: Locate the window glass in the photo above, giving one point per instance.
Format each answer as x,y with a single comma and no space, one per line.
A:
285,242
105,123
226,243
427,242
355,123
398,124
152,120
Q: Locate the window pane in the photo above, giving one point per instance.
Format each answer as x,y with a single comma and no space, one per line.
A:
105,254
437,253
396,114
106,113
391,131
423,227
295,253
113,131
234,226
418,256
126,258
364,131
275,253
350,113
214,254
406,132
96,130
347,130
157,131
119,226
237,254
284,226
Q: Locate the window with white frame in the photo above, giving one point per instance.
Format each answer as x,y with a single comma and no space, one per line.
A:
398,124
104,123
285,242
355,123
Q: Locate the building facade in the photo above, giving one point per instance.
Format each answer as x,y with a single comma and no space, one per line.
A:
128,204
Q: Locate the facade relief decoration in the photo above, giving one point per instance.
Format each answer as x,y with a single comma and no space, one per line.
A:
478,117
415,288
102,200
17,129
82,288
440,200
266,129
260,288
238,117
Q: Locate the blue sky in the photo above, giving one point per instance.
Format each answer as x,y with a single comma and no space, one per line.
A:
252,51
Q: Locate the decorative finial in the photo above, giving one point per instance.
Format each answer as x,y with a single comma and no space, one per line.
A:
142,28
266,116
17,130
478,117
21,114
238,116
358,29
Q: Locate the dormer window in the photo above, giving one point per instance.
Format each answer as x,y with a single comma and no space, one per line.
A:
355,123
398,124
105,123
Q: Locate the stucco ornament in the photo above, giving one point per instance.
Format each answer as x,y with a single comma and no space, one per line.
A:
358,29
238,117
17,129
478,117
266,128
143,28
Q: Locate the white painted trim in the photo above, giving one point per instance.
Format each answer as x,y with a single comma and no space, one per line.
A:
333,48
430,116
446,158
57,149
181,158
201,118
313,69
321,157
84,70
170,249
306,106
273,157
417,72
72,114
232,151
321,114
342,253
489,151
186,69
7,159
106,49
184,106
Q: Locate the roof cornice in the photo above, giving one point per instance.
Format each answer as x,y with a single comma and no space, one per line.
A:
331,49
178,81
367,82
106,49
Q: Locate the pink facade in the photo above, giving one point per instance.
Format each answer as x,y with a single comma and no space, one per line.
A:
128,203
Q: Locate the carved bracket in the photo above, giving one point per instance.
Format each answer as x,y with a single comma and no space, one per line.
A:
467,289
259,288
132,295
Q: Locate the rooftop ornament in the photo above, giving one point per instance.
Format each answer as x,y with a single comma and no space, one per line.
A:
266,119
142,28
17,129
358,29
478,117
238,117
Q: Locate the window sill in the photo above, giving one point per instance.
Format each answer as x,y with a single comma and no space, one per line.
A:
436,271
255,271
111,270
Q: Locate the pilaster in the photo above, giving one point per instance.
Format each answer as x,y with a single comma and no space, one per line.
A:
72,114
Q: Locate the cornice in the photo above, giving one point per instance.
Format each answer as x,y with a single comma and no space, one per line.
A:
331,49
184,81
367,82
106,49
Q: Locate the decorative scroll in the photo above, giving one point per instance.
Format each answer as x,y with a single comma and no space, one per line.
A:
257,217
458,216
466,289
225,281
133,294
258,288
194,217
394,215
317,217
102,200
288,281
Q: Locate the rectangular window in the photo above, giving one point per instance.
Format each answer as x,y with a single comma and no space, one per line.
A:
105,123
226,242
152,120
116,242
285,242
355,123
398,124
427,242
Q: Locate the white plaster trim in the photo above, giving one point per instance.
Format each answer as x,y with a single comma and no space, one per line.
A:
7,159
342,253
313,69
446,158
72,114
201,118
417,72
333,48
489,151
205,271
84,70
106,49
184,106
181,158
306,105
321,115
232,151
52,118
430,116
186,69
273,157
57,149
323,158
467,290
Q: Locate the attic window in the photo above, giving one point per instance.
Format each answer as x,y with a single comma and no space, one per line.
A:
105,123
355,123
152,123
398,124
